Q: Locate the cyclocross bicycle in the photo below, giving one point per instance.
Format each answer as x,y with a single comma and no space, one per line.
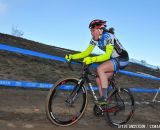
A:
67,101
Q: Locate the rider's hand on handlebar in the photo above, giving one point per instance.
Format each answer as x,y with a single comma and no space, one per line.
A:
68,57
89,60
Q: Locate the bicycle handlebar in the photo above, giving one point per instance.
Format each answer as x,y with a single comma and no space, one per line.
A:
74,62
84,67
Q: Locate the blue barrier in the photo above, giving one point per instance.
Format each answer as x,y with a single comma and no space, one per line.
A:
46,56
24,84
139,75
31,53
134,74
144,90
13,83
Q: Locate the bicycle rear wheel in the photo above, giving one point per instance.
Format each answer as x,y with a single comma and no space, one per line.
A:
66,102
120,108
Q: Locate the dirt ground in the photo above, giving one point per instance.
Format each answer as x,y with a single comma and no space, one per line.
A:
24,109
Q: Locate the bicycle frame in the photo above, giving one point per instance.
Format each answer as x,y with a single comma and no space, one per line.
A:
84,79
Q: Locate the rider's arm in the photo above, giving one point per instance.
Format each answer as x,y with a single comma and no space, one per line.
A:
84,53
106,56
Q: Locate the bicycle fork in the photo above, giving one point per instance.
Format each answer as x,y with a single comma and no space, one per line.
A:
75,93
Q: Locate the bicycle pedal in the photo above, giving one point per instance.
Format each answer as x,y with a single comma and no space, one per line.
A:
98,111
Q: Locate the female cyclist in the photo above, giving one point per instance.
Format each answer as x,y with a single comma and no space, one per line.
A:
115,57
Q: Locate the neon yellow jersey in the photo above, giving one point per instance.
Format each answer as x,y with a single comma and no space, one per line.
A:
109,44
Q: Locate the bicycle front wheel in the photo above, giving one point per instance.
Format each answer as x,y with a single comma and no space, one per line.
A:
66,102
120,108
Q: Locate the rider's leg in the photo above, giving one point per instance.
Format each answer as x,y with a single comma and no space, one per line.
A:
105,70
99,86
99,83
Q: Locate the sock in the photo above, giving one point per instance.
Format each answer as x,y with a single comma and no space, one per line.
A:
104,92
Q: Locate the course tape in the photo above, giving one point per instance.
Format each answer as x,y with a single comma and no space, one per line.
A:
13,83
31,53
43,85
135,74
24,84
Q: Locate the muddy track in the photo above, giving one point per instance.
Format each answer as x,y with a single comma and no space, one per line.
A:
25,109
